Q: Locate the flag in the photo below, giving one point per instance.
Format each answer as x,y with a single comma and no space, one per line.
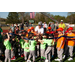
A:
32,14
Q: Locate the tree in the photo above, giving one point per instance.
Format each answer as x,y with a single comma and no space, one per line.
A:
22,14
13,17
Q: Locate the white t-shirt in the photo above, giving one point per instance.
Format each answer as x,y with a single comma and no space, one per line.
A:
41,30
45,25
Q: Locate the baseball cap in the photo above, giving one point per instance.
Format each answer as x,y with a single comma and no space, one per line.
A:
70,28
32,27
29,30
61,20
60,29
49,27
39,23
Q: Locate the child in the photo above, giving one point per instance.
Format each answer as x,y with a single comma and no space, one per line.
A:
43,46
60,44
49,30
32,44
13,43
70,42
26,49
32,31
50,48
8,48
22,45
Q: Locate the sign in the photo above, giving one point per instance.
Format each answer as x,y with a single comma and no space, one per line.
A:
31,21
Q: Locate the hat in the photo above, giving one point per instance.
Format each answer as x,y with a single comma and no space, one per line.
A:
52,32
66,31
70,28
39,23
60,29
32,28
49,27
61,20
29,30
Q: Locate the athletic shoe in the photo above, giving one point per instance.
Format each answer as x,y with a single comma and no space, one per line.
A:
0,61
57,59
49,61
28,60
63,56
46,60
11,58
70,59
21,55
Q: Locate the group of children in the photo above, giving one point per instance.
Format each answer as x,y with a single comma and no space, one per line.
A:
25,45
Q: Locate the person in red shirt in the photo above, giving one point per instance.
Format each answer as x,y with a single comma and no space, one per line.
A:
16,29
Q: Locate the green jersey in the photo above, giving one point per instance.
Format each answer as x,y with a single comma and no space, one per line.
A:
43,46
26,45
7,44
50,42
32,44
22,43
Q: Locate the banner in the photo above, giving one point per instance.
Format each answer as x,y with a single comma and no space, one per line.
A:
32,14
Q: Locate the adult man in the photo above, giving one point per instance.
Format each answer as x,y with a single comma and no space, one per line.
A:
39,29
52,26
44,26
62,25
12,28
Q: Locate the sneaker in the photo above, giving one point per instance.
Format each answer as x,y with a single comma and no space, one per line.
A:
63,56
57,59
70,59
28,60
21,55
11,58
0,61
46,60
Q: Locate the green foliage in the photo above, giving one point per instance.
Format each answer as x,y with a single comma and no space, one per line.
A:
13,17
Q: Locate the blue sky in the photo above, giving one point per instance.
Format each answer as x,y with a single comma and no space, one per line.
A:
5,14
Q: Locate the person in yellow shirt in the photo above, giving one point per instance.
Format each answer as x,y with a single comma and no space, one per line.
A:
60,44
62,25
70,42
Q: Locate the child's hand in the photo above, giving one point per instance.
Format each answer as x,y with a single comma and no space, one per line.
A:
59,49
12,49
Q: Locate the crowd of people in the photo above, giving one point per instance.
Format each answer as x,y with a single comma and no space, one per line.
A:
39,41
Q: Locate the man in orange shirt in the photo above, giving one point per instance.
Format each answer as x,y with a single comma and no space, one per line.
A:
70,43
60,44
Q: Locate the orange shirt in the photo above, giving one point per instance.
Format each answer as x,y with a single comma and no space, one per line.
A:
59,41
70,42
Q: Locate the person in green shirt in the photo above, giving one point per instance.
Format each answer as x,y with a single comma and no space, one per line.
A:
22,45
50,43
26,49
32,44
8,48
43,46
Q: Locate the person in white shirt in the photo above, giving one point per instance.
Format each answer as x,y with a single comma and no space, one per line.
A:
39,29
44,26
